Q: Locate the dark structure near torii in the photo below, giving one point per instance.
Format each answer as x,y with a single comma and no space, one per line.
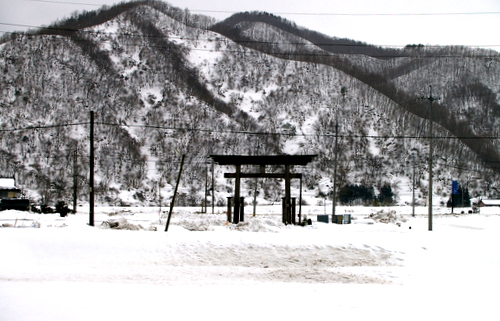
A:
266,160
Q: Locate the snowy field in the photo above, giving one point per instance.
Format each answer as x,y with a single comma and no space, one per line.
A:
387,267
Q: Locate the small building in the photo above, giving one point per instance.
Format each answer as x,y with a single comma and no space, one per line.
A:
8,188
488,203
10,196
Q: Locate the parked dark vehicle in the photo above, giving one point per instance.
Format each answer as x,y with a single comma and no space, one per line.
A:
20,204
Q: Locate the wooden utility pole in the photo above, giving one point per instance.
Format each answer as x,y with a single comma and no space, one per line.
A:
75,179
159,199
343,91
91,171
175,193
334,196
413,191
431,152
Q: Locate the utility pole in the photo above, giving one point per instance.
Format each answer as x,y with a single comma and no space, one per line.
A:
334,196
413,190
91,171
159,199
75,179
175,193
431,151
343,91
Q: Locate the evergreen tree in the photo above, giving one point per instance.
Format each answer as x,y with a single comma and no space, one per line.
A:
386,196
354,194
461,199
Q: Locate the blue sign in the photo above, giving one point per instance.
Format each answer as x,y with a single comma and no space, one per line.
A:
454,187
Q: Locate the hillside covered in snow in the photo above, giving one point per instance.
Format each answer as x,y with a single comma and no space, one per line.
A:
163,82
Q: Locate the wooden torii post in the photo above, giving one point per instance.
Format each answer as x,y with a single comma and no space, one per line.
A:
285,160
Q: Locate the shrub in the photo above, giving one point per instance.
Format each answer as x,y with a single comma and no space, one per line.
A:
62,208
45,209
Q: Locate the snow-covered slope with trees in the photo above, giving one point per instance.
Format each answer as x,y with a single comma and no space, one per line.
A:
164,82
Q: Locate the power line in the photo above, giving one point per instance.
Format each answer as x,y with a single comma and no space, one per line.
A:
354,43
244,132
393,14
42,127
67,2
323,53
305,42
361,13
235,132
302,13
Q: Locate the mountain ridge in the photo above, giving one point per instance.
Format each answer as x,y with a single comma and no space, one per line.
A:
487,152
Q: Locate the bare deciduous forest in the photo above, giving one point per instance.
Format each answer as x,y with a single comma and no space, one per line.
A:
164,82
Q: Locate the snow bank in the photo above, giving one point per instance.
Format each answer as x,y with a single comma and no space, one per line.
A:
257,269
385,216
258,225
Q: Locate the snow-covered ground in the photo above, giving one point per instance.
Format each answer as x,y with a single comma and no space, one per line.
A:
205,269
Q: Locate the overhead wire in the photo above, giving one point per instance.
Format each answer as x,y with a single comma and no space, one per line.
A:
42,127
302,13
232,132
354,43
67,2
243,132
323,53
318,44
364,14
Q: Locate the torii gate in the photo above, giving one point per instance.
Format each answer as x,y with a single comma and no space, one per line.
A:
263,161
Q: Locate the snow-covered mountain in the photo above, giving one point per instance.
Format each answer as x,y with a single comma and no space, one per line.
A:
163,82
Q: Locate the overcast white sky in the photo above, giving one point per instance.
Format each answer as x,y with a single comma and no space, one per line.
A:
385,23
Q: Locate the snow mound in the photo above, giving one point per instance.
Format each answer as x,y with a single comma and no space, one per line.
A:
384,216
122,224
256,225
191,225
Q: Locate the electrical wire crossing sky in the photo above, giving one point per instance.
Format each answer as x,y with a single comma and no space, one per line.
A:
388,23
